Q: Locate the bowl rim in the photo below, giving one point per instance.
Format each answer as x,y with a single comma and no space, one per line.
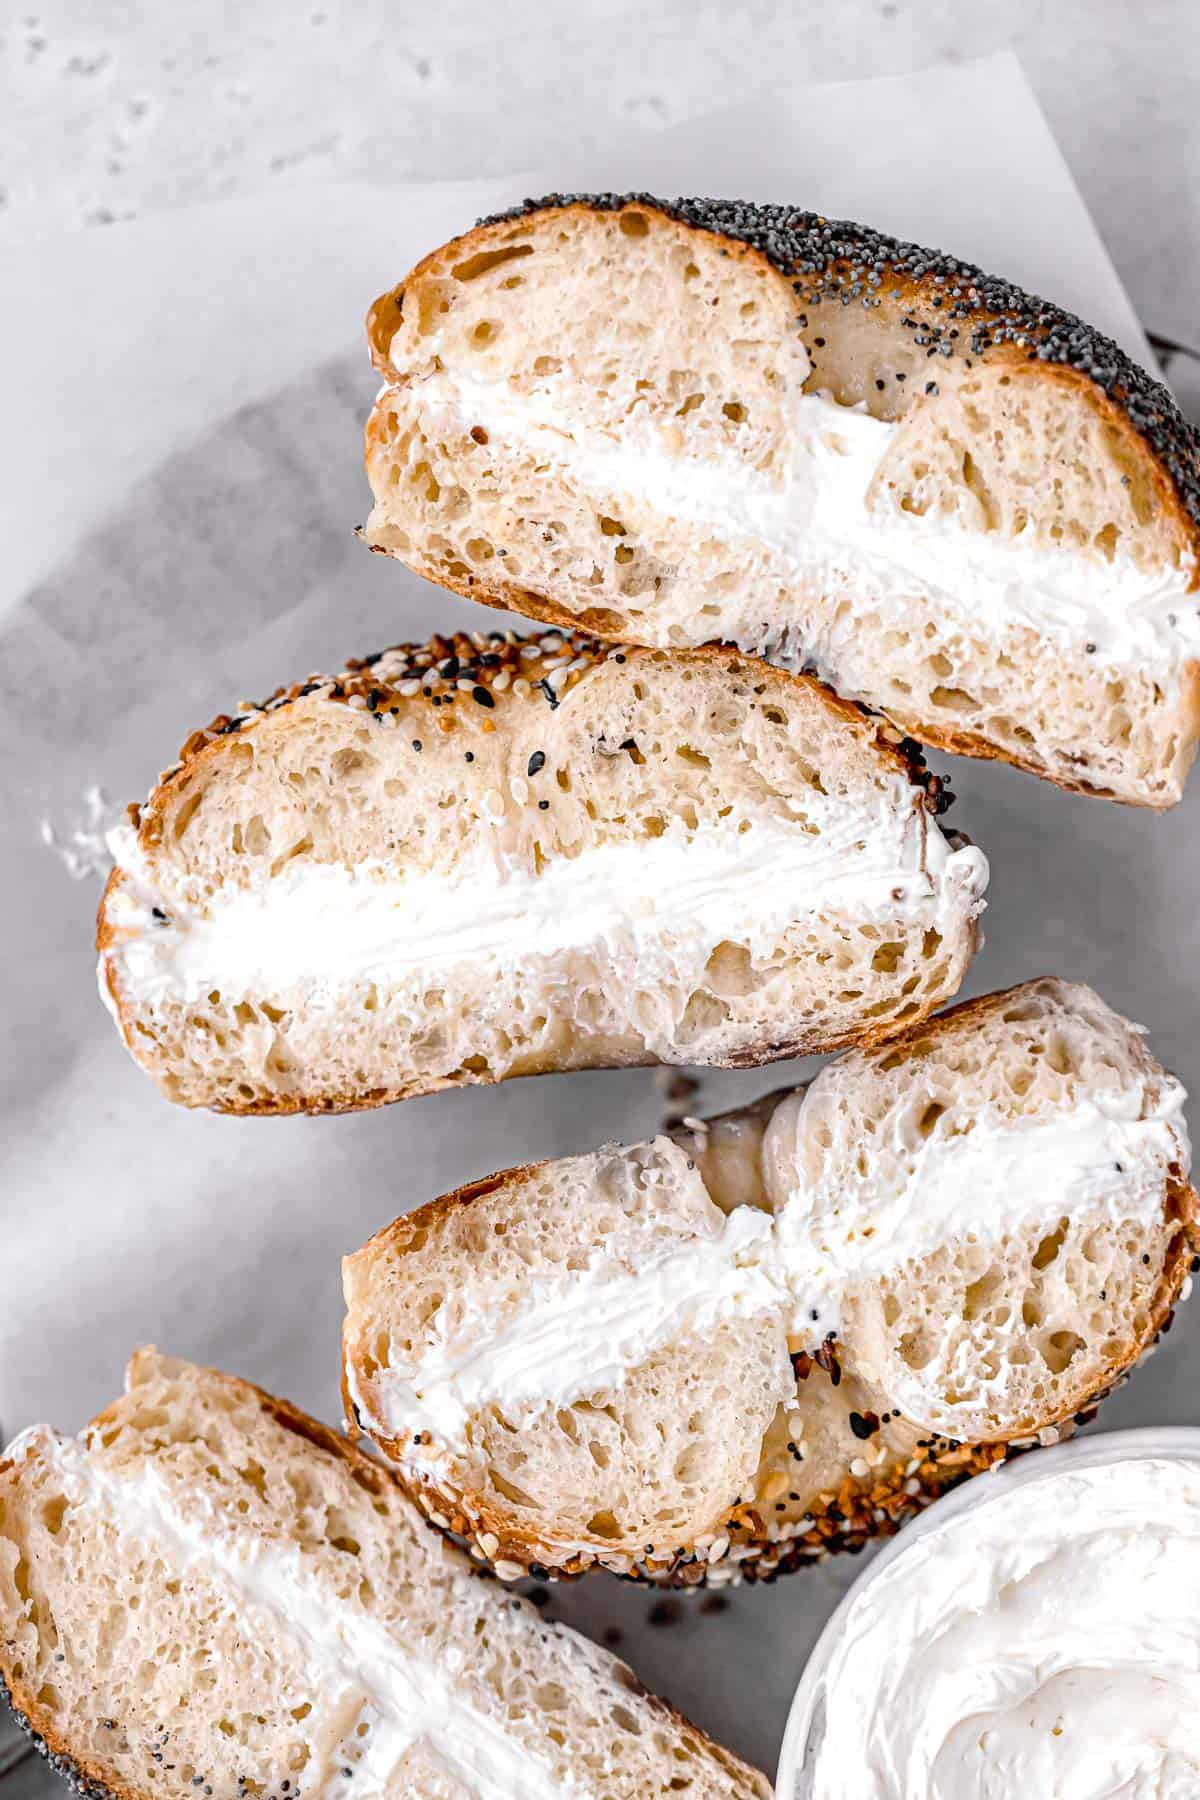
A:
1136,1443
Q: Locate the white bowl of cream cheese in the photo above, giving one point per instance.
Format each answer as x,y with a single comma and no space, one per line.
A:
1036,1634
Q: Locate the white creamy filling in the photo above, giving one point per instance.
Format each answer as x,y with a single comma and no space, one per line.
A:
360,1670
816,518
581,1333
648,902
1046,1642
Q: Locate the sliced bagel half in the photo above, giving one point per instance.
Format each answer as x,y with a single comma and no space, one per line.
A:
736,1349
694,421
486,857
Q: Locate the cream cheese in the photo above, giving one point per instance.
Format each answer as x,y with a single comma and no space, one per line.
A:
815,516
584,1332
361,1671
579,1334
1045,1641
654,904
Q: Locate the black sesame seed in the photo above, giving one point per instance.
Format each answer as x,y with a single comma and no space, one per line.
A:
416,743
543,806
482,696
536,763
864,1425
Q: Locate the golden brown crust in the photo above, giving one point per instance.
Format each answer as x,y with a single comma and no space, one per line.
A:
380,685
845,1519
920,293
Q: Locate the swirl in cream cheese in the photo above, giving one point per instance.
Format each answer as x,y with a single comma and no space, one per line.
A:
1045,1642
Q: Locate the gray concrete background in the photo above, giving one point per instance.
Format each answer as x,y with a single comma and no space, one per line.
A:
119,108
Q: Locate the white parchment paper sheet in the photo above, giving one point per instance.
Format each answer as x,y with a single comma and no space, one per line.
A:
180,451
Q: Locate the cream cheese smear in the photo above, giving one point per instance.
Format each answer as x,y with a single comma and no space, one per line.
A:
317,928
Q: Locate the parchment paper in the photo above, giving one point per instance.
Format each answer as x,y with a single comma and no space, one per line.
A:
180,446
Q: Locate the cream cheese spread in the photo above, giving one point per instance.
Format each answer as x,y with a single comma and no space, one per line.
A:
816,517
361,1670
1044,1642
578,1334
658,906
